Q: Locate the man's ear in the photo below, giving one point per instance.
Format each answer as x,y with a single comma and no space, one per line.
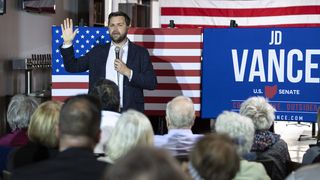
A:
168,122
194,118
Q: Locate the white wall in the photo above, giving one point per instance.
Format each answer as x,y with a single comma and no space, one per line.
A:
112,5
23,34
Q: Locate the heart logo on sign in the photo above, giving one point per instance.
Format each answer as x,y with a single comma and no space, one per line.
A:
270,91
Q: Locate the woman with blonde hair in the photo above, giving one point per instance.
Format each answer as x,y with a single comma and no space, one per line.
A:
42,135
132,129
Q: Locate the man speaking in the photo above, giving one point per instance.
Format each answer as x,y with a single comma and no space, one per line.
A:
123,62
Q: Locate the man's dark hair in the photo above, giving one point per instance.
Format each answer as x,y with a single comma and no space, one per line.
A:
215,157
145,163
108,93
80,116
119,13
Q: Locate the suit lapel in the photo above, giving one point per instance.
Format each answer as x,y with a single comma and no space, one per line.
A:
130,59
107,51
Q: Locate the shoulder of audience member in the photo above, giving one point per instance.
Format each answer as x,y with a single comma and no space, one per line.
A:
306,172
251,169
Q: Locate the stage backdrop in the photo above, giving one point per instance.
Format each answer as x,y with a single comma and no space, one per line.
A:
281,64
175,55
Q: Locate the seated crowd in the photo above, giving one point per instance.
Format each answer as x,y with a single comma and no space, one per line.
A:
87,137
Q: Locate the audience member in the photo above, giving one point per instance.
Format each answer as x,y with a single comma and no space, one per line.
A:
145,163
79,131
312,155
265,142
108,93
241,130
308,172
41,132
180,115
20,109
214,157
132,129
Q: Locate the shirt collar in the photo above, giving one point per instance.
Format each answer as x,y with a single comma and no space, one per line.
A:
180,131
124,45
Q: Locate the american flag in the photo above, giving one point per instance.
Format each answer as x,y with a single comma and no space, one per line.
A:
65,84
261,13
175,54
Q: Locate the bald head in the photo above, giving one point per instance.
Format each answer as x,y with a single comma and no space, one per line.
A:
180,113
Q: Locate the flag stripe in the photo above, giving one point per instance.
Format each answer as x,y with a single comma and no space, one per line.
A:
160,86
170,45
244,26
178,79
196,100
173,86
173,59
161,106
60,98
68,92
243,21
236,4
161,79
70,78
171,93
165,38
162,112
154,93
70,85
178,72
223,12
177,66
174,52
166,32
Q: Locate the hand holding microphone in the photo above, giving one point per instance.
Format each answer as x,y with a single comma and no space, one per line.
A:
119,66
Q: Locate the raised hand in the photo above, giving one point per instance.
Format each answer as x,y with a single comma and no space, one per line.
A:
67,31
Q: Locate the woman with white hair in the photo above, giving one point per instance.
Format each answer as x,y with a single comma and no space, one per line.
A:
19,112
132,129
266,142
241,130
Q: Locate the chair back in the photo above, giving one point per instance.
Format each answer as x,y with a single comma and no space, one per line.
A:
4,154
6,175
272,167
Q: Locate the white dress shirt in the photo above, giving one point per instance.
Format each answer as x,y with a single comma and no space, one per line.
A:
111,73
177,141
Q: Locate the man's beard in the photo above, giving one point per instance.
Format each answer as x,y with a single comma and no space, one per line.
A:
119,39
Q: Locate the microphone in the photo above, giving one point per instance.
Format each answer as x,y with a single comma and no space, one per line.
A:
117,51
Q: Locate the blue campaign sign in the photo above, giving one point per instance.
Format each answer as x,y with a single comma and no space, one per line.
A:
281,64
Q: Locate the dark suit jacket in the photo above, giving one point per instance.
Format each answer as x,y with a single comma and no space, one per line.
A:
29,154
73,163
138,60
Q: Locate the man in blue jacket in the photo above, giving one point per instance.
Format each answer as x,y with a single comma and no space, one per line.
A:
123,62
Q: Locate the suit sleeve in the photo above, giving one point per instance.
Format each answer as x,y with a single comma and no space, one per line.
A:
146,77
72,64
